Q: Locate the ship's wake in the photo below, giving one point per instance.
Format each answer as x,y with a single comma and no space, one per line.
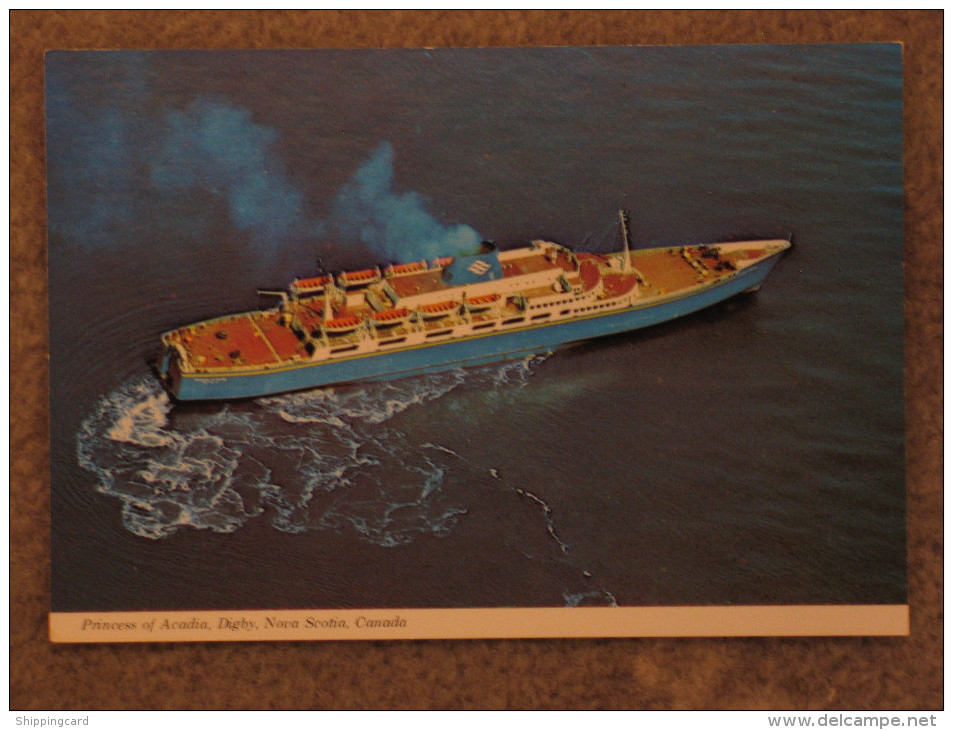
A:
328,459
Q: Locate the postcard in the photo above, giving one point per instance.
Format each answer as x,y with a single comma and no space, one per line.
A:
476,343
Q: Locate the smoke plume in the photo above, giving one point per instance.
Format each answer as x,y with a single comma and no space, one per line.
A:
395,225
218,148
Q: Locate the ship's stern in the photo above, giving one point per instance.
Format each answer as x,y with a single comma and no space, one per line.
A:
169,367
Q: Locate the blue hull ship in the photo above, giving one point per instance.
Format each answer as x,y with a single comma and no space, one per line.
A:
451,313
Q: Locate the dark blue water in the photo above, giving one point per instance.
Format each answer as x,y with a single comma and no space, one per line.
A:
750,454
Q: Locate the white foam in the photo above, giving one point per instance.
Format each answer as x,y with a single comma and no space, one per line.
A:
330,458
572,600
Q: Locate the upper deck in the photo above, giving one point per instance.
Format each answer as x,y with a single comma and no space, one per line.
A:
521,268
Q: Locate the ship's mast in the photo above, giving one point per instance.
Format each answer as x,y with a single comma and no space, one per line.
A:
626,259
626,256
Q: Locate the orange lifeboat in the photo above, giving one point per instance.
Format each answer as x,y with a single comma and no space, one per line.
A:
341,325
478,304
313,285
438,309
359,278
397,269
390,317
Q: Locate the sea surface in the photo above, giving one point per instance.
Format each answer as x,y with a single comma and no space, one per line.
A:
750,454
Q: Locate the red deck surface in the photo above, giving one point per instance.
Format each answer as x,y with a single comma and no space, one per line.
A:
234,341
282,339
421,282
589,273
618,284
